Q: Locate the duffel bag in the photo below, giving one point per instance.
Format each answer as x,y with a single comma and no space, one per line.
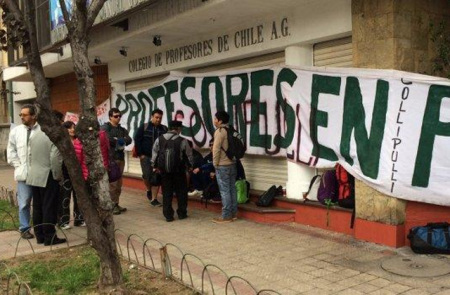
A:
434,238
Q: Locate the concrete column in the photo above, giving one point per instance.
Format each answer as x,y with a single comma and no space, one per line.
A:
299,175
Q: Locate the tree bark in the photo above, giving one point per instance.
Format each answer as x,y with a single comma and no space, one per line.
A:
93,195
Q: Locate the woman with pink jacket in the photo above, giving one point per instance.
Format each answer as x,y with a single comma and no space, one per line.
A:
104,147
66,188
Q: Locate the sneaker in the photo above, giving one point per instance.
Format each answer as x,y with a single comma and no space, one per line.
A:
116,210
155,203
234,217
194,193
65,226
26,235
199,193
55,241
222,220
170,219
80,223
122,209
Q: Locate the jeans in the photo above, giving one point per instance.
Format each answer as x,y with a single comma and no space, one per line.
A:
24,196
226,179
115,188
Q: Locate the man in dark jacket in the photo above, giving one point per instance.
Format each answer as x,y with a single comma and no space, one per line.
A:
174,156
118,139
144,139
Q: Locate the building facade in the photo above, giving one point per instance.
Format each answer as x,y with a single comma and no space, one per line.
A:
135,45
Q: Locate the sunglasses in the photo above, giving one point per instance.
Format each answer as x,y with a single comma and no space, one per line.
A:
117,116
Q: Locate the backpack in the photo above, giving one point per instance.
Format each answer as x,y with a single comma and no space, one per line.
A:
266,199
133,151
243,191
211,193
434,238
236,147
311,194
169,155
346,188
328,188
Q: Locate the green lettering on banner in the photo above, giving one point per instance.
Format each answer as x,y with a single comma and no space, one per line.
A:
134,111
329,85
431,126
206,105
236,102
171,88
258,79
155,93
144,97
288,76
192,130
119,102
368,148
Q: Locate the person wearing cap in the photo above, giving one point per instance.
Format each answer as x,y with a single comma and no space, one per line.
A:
173,181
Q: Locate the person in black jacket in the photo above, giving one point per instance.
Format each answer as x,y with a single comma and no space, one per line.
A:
118,139
144,139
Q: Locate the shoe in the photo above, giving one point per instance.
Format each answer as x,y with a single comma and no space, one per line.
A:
155,203
199,193
55,241
26,235
122,209
222,220
65,226
194,193
182,217
234,217
170,219
80,223
116,210
39,241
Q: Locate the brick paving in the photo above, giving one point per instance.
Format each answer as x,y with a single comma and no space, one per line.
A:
289,258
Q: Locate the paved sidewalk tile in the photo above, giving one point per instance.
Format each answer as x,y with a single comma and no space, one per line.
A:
289,258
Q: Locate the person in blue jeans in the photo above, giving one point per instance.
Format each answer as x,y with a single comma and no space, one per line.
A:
17,154
226,171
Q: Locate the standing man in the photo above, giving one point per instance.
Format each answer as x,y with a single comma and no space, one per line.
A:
44,174
174,155
17,154
118,139
225,169
145,137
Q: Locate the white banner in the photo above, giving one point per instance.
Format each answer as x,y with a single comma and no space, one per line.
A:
102,113
390,129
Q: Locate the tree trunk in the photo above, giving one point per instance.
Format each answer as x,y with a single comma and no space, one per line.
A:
94,199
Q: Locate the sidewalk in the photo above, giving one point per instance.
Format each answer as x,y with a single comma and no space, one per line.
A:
288,258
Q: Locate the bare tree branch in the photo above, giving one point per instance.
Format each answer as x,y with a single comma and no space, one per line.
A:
14,8
93,11
66,15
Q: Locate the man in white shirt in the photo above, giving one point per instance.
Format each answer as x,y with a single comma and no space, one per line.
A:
17,154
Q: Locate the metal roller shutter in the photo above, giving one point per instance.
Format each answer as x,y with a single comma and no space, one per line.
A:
334,53
133,165
261,171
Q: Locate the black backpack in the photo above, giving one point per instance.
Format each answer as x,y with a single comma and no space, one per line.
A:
169,155
236,147
266,199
